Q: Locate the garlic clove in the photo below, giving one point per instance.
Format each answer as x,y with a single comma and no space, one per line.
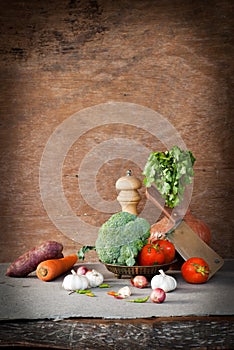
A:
125,292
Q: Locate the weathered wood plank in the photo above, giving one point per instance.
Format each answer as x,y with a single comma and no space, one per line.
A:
175,333
60,57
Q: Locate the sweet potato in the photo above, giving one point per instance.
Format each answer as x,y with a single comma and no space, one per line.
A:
29,261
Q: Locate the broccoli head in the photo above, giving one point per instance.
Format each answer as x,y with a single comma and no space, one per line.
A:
121,238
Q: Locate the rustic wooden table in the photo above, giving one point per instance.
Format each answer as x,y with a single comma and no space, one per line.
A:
193,317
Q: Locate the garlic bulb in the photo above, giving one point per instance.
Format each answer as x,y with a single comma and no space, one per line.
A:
74,282
163,281
94,277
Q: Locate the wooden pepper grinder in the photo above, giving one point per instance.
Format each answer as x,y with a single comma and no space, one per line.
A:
128,196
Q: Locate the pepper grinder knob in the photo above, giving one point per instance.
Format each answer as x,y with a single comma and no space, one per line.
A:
128,196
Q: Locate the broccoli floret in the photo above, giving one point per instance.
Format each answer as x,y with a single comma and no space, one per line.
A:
121,238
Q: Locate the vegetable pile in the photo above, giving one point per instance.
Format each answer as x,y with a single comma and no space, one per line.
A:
83,280
46,259
76,281
124,240
170,171
160,252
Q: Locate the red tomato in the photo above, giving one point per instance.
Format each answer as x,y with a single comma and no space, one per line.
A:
195,270
151,254
168,249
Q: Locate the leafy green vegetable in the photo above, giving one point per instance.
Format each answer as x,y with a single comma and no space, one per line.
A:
170,172
121,238
83,250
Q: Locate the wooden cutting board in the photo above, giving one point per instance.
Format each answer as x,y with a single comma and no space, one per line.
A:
188,244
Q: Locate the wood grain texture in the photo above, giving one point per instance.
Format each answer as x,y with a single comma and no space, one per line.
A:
175,333
58,58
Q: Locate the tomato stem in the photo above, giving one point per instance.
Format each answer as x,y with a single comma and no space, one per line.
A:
201,269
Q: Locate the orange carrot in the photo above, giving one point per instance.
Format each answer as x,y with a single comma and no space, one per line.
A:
50,269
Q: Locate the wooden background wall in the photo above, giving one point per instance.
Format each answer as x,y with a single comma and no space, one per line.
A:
59,57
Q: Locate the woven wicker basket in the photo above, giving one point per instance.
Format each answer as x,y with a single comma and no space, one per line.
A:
131,271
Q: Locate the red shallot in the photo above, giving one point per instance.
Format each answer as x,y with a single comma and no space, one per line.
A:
139,281
157,295
82,270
